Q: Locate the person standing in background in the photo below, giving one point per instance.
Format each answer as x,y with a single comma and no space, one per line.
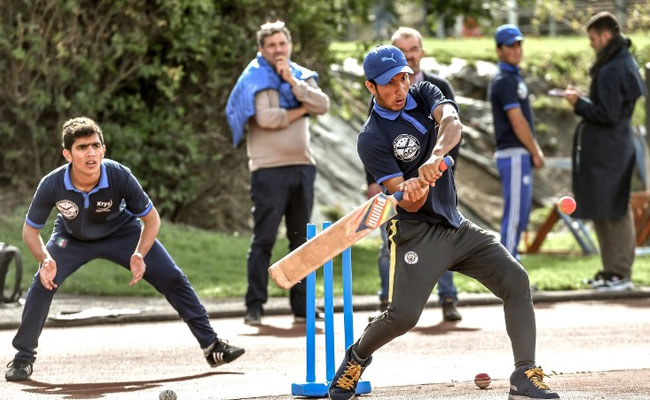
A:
275,96
603,153
517,151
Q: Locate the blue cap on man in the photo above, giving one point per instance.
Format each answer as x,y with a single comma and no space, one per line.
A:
508,34
383,62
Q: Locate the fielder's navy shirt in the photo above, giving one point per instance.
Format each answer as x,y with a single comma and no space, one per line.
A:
508,90
117,200
396,143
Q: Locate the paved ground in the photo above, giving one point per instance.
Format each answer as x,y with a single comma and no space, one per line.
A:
592,349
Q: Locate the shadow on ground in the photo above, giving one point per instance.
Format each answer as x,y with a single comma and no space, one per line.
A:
100,389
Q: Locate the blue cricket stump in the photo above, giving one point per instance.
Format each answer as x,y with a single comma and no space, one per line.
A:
311,388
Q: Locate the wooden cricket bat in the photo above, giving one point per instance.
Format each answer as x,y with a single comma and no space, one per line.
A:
348,230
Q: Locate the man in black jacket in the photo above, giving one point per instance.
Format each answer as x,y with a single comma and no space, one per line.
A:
603,153
409,41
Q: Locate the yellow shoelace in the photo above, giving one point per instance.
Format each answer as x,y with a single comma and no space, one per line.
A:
350,377
536,375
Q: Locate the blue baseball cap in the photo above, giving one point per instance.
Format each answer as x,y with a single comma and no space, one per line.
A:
508,34
383,62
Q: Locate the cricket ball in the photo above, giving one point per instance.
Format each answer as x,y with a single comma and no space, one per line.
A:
482,380
566,204
167,395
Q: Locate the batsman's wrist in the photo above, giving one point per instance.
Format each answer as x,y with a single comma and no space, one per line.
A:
137,254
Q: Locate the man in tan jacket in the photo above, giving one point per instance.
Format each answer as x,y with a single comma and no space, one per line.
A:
275,97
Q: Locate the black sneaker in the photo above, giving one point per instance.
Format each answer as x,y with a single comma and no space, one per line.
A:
527,383
253,317
19,370
220,352
449,311
344,383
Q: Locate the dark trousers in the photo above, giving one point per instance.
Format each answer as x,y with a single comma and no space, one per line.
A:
70,254
617,240
421,252
278,192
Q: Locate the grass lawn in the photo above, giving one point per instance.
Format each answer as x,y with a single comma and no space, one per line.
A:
216,264
483,48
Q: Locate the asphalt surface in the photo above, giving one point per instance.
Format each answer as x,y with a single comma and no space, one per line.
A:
92,310
593,345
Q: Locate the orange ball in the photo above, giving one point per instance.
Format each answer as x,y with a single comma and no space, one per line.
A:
482,380
566,204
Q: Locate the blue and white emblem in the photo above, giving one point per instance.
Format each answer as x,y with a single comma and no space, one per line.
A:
406,147
522,90
67,208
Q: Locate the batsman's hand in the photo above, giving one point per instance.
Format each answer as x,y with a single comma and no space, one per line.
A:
413,190
429,172
137,267
47,272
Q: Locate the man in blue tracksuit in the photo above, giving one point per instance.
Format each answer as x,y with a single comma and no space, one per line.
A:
403,142
517,150
101,206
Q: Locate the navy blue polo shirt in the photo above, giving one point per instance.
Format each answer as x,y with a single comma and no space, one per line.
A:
396,143
115,202
508,90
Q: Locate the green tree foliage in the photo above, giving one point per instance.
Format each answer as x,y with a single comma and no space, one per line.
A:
156,75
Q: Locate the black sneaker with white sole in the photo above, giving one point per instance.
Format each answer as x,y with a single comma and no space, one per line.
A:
220,352
344,384
19,370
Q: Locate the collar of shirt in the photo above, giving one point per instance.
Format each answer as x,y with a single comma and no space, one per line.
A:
392,115
419,77
102,184
508,68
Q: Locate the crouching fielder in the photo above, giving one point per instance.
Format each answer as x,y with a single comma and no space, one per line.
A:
100,206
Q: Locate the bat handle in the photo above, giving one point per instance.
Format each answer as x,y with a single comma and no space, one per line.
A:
446,163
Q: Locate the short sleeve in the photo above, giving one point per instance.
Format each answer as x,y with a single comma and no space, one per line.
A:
137,201
376,155
41,204
504,93
430,95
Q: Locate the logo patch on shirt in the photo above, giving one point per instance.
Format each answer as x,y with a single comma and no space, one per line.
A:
61,242
411,257
522,90
406,147
104,206
67,208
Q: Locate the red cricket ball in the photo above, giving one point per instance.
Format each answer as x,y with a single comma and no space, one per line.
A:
482,380
566,204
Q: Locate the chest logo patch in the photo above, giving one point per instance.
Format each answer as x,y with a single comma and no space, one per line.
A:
67,208
104,206
406,147
522,90
411,257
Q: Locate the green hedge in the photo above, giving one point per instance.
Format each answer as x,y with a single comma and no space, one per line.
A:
156,75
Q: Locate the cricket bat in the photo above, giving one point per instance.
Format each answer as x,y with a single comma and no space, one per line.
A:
348,230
